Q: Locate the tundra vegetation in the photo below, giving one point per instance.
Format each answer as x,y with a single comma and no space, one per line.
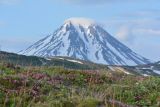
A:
59,87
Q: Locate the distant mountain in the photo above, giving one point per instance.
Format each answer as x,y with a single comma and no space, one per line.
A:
84,39
148,69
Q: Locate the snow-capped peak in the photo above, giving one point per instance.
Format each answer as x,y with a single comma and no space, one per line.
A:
84,22
83,39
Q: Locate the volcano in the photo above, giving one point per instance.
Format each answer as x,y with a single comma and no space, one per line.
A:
84,39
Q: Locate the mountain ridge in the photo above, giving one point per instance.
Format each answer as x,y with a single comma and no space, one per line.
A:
71,63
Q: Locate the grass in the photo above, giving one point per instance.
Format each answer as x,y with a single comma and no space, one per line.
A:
59,87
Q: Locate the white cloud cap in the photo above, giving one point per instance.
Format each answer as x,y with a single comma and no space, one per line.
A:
85,22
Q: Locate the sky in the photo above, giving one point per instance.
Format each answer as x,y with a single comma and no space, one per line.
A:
136,23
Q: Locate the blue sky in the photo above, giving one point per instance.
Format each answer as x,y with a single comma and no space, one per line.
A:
135,23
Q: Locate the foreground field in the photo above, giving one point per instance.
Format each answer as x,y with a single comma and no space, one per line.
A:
59,87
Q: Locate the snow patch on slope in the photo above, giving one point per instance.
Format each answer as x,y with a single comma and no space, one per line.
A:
74,61
156,71
70,60
114,68
146,75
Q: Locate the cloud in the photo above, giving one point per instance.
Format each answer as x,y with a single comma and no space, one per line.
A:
151,32
139,30
131,29
140,35
146,27
124,33
9,2
80,21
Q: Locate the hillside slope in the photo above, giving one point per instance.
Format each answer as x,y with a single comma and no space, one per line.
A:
71,63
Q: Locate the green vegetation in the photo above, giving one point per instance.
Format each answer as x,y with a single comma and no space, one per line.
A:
22,60
59,87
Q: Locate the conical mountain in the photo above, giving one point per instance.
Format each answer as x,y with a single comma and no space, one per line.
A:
84,39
